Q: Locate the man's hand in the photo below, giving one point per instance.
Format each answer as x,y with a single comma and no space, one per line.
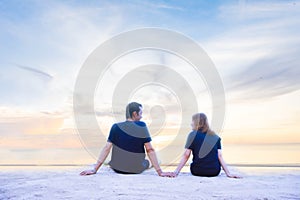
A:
88,172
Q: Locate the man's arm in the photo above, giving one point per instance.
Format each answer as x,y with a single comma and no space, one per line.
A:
103,155
153,158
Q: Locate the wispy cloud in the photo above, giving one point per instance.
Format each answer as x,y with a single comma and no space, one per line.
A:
160,5
258,56
268,77
249,10
35,71
58,37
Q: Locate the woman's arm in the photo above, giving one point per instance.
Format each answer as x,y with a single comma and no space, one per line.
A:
184,159
224,166
104,153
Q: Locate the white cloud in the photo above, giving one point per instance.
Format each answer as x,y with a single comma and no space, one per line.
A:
56,38
258,55
259,9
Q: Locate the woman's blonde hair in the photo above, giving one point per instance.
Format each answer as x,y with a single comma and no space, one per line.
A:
201,123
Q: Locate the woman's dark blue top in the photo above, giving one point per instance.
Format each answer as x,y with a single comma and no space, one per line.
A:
205,153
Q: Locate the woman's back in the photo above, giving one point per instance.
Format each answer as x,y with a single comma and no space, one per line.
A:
205,153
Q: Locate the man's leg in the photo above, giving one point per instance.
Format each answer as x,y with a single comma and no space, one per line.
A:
136,169
121,172
146,164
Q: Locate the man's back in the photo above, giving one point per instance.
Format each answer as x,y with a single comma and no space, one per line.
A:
128,139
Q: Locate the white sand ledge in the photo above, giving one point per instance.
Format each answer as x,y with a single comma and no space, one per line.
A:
67,184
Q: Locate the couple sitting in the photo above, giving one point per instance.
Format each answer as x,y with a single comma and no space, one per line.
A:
128,141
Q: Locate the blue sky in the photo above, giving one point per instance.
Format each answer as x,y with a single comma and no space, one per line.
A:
255,46
44,35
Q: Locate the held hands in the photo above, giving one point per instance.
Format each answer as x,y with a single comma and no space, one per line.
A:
166,174
174,174
88,172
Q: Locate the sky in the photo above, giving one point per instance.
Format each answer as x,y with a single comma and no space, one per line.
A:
254,45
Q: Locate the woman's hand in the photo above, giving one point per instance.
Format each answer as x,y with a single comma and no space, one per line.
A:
88,172
233,176
174,174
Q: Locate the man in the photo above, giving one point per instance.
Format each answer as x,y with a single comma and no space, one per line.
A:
128,141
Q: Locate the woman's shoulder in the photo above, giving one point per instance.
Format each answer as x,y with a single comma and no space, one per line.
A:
192,133
215,135
210,134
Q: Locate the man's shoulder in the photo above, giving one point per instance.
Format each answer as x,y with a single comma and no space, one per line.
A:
127,121
131,126
141,123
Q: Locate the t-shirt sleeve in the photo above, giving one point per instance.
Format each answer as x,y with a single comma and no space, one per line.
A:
189,141
219,144
147,135
143,132
111,137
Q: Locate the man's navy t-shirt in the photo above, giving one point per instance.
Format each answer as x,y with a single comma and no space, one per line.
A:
128,152
207,159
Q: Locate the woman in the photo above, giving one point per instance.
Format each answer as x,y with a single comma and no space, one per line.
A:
206,148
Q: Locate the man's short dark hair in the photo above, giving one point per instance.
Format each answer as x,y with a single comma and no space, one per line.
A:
132,107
